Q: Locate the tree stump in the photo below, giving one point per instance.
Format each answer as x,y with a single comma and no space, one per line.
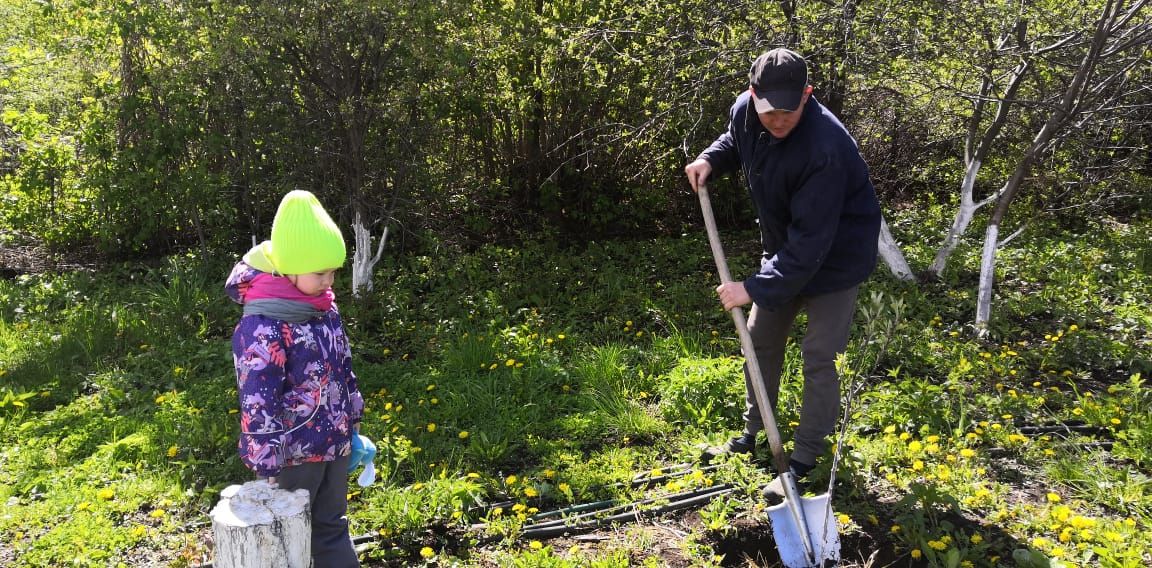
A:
257,525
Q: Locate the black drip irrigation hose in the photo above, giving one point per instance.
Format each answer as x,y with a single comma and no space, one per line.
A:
1063,428
591,516
554,530
639,480
1064,431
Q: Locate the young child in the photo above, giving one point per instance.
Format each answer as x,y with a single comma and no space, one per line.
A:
299,403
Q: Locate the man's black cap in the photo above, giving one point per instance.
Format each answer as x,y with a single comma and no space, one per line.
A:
778,78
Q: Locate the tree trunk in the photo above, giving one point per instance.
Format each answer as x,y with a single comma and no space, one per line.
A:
1056,125
256,525
363,261
978,148
892,255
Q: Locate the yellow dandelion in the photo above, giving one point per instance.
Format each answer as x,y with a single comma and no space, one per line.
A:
844,519
511,480
564,487
531,492
915,446
937,545
157,513
976,538
916,554
509,362
427,552
172,451
917,465
492,367
430,388
431,427
535,545
967,453
463,435
106,494
83,506
1053,497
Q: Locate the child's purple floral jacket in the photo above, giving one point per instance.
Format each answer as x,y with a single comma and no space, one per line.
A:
299,401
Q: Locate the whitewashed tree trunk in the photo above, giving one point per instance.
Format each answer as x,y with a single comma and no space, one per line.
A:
1112,19
978,146
891,253
987,279
256,525
363,261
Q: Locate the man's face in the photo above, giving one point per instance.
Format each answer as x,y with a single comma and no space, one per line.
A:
781,122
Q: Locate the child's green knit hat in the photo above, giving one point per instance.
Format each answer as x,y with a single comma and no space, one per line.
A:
304,238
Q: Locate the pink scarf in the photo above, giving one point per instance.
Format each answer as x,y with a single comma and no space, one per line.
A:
269,287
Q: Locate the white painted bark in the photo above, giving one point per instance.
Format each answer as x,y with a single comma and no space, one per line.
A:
977,147
891,253
987,279
1112,16
256,525
363,261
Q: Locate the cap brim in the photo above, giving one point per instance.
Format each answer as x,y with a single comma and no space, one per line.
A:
768,101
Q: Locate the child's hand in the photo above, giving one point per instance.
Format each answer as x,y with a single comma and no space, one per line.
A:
363,452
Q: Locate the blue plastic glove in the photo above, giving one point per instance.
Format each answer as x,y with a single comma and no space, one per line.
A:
363,453
358,452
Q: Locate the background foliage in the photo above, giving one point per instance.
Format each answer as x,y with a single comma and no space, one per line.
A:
150,127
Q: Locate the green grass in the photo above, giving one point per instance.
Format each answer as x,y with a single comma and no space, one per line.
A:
500,383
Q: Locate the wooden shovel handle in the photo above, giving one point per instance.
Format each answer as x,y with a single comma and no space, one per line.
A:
754,374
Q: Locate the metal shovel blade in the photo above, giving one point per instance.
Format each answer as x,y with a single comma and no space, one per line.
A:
822,528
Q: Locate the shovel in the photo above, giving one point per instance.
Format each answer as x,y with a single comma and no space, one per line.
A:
797,519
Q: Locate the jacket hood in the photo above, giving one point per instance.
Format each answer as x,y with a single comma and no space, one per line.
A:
240,279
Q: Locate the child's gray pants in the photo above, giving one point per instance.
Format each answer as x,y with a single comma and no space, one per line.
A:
327,485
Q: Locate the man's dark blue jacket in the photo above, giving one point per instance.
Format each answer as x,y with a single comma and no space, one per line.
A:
819,217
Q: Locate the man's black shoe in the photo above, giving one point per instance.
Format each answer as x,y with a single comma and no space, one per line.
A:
744,444
773,493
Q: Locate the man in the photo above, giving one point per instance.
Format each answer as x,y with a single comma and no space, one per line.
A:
819,224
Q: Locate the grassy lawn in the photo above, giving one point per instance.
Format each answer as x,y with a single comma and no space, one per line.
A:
503,383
